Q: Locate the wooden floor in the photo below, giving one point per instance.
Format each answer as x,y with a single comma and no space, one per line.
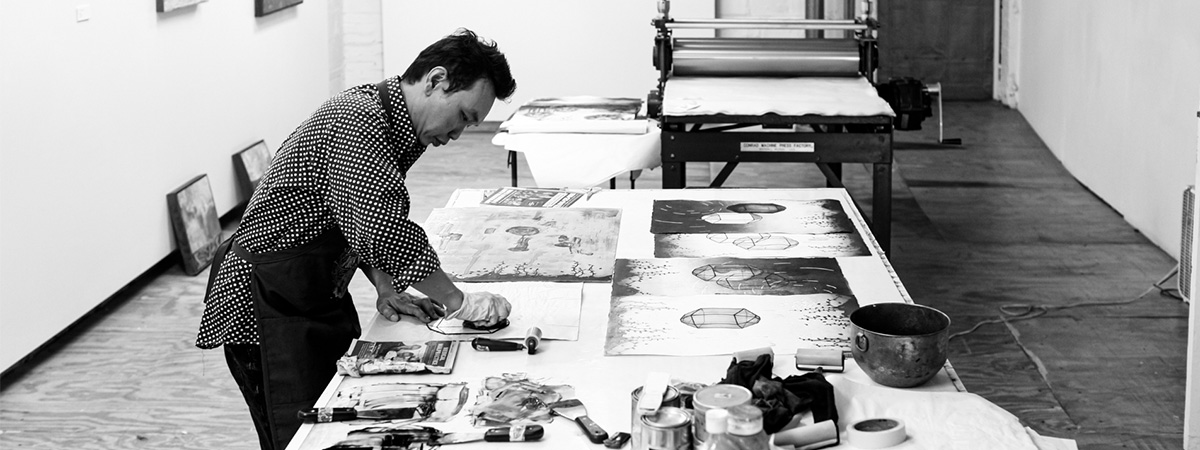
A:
995,221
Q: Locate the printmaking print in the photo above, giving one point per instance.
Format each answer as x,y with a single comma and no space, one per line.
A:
533,197
759,245
578,114
728,276
750,216
519,244
722,324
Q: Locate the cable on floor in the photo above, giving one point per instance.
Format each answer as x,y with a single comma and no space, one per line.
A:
1015,312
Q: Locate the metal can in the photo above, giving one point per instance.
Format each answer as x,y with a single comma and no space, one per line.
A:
671,397
716,396
668,429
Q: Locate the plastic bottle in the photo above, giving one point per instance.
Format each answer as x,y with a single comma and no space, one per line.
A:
716,422
745,429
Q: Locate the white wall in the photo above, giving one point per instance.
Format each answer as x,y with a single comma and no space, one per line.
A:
554,47
1110,86
100,119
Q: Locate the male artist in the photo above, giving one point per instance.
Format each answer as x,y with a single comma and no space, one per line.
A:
334,200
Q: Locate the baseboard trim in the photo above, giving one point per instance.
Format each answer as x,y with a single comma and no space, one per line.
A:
88,319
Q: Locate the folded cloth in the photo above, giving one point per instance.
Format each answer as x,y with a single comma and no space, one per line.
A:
933,420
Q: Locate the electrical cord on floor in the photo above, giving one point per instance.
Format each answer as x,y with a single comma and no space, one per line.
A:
1015,312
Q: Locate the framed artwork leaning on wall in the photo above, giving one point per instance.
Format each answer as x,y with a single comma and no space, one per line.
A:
264,7
171,5
250,165
196,226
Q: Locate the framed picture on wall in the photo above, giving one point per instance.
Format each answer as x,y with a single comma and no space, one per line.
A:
249,166
264,7
194,220
171,5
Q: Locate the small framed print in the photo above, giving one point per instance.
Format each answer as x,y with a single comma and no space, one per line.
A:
171,5
250,165
196,226
264,7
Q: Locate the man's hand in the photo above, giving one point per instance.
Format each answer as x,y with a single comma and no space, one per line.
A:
484,308
391,304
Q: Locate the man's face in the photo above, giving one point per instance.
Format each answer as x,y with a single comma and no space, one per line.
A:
444,116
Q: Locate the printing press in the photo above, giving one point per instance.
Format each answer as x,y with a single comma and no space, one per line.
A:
756,99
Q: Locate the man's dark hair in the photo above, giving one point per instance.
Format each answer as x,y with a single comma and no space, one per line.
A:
467,58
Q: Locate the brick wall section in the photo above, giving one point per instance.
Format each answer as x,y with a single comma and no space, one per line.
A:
356,43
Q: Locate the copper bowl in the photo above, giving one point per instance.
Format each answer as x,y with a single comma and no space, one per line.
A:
899,344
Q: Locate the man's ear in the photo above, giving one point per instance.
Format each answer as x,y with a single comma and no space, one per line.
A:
435,77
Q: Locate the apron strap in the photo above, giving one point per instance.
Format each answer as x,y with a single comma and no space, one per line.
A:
385,98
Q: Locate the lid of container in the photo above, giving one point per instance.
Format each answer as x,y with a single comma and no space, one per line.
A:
715,420
745,420
667,417
721,396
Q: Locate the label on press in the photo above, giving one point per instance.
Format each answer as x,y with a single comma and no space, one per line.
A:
794,147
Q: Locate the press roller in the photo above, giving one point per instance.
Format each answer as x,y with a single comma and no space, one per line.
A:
771,57
765,57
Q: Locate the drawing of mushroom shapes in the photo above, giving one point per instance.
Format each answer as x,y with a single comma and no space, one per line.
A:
571,244
524,232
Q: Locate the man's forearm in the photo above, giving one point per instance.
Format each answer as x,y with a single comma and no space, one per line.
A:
439,288
379,278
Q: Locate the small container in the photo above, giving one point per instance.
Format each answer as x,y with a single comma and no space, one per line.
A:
716,423
668,429
670,398
724,396
745,428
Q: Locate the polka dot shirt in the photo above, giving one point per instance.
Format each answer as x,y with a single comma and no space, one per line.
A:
344,168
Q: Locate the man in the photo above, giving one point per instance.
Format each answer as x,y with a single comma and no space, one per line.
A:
334,200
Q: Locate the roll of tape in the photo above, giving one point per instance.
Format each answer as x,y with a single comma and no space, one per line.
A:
877,433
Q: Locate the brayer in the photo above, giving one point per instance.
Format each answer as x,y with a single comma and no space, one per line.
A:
533,337
495,345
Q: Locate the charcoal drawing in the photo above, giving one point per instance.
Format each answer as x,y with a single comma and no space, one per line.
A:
728,276
525,244
759,245
757,216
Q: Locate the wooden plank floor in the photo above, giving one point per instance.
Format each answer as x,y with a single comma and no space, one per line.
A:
995,221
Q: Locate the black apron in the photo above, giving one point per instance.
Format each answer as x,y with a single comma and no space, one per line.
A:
306,320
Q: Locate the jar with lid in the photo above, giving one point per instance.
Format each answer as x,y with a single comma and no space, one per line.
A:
745,428
716,422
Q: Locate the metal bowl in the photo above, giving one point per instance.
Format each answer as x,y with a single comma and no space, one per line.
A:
899,344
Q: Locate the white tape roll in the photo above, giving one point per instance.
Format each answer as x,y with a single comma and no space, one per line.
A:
877,433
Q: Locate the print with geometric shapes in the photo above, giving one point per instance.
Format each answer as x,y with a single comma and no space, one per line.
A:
720,318
728,276
722,324
734,216
518,244
759,245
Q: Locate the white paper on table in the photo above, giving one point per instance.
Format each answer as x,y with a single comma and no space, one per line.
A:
583,160
552,307
702,96
932,420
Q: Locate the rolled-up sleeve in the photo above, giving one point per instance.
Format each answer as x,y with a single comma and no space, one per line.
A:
370,202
